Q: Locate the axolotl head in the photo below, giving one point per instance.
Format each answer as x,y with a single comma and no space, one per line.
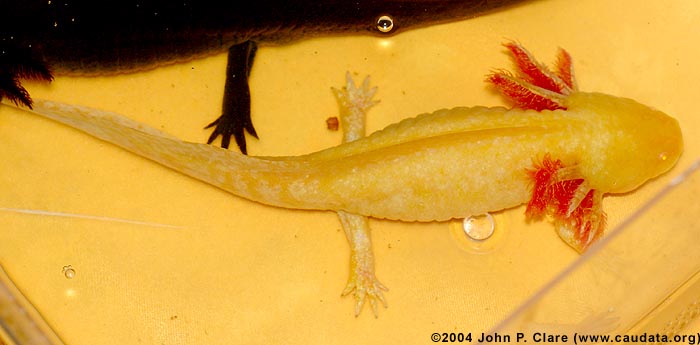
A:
630,143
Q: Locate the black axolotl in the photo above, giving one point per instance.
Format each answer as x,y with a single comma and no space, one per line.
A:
90,37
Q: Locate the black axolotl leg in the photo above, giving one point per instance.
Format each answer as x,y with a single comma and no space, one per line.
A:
235,114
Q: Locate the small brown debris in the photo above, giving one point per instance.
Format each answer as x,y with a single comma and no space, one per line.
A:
332,123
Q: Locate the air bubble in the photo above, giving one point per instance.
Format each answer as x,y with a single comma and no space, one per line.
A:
68,272
480,234
385,24
479,228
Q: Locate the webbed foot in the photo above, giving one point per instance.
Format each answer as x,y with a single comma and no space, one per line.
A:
362,279
235,115
233,124
353,103
366,286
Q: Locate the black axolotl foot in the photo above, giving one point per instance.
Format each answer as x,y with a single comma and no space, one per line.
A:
235,114
16,64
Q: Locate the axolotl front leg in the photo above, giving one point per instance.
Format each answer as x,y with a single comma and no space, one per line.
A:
353,103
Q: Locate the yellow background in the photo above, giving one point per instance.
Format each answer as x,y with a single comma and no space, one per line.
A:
233,271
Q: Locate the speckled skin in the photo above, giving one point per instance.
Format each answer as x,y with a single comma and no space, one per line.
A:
448,164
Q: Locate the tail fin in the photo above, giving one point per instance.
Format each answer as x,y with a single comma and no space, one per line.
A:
236,173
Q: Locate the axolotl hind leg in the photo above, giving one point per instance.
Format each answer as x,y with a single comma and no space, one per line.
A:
362,280
235,112
353,104
558,190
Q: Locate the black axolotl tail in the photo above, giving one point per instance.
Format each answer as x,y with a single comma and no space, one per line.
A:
16,64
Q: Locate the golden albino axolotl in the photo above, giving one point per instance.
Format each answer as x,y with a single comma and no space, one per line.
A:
559,150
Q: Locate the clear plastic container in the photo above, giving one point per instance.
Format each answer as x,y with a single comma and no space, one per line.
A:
110,248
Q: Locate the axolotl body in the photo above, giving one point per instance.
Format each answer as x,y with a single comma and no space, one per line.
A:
40,38
558,151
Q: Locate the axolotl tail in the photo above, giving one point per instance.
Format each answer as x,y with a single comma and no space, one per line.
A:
248,177
404,172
